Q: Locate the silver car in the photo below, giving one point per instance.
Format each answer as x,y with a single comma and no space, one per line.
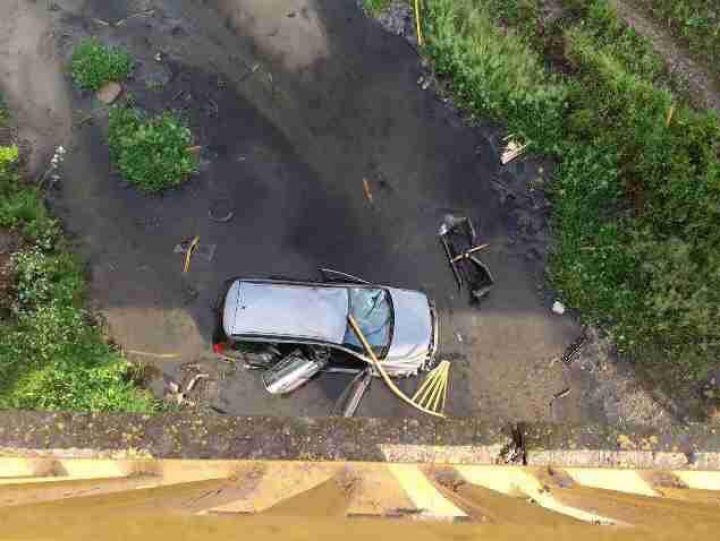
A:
400,325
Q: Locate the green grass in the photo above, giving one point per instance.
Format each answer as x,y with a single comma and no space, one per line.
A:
695,22
94,64
51,356
151,153
637,201
375,7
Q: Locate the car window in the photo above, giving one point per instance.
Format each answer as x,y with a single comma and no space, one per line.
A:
372,309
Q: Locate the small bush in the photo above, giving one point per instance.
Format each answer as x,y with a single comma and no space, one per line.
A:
94,64
151,153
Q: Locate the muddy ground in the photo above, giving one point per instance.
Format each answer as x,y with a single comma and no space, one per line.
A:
294,103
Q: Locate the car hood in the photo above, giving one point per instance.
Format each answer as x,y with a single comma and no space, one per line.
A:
413,332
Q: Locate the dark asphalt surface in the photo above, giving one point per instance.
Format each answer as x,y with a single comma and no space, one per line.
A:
296,102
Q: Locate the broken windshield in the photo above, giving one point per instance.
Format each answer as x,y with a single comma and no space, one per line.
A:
372,309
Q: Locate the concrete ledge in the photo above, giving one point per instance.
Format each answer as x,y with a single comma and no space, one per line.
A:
193,436
693,446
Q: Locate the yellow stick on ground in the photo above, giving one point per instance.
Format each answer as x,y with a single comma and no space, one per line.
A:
189,253
378,366
418,23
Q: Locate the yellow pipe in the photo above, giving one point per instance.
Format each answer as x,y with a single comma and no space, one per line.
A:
397,392
418,25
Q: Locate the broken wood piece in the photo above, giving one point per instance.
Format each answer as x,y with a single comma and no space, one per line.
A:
471,251
148,13
512,150
109,93
194,380
368,193
189,253
155,355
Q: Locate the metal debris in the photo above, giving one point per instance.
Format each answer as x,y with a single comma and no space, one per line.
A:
350,399
459,240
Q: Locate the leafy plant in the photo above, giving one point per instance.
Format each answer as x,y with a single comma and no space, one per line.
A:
94,64
152,153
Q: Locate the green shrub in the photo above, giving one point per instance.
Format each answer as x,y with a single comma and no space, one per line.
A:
51,356
151,153
637,198
95,64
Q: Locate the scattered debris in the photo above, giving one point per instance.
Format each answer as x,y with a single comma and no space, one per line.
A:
516,451
459,240
194,380
53,172
158,57
155,355
109,93
189,253
148,13
513,149
368,193
350,399
220,211
558,308
192,249
181,397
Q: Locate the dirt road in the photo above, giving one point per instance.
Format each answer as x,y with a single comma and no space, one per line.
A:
294,102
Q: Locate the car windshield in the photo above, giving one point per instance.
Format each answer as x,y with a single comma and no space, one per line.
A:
372,310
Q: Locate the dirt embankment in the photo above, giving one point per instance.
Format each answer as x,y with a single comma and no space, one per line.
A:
702,85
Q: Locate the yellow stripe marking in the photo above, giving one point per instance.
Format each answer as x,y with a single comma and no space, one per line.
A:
626,481
514,481
423,493
703,480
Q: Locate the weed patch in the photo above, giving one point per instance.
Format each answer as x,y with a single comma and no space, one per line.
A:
95,64
637,194
151,153
375,7
52,357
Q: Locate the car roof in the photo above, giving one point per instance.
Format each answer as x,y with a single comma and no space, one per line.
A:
308,311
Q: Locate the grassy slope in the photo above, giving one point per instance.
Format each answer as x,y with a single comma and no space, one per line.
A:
695,22
51,356
637,200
